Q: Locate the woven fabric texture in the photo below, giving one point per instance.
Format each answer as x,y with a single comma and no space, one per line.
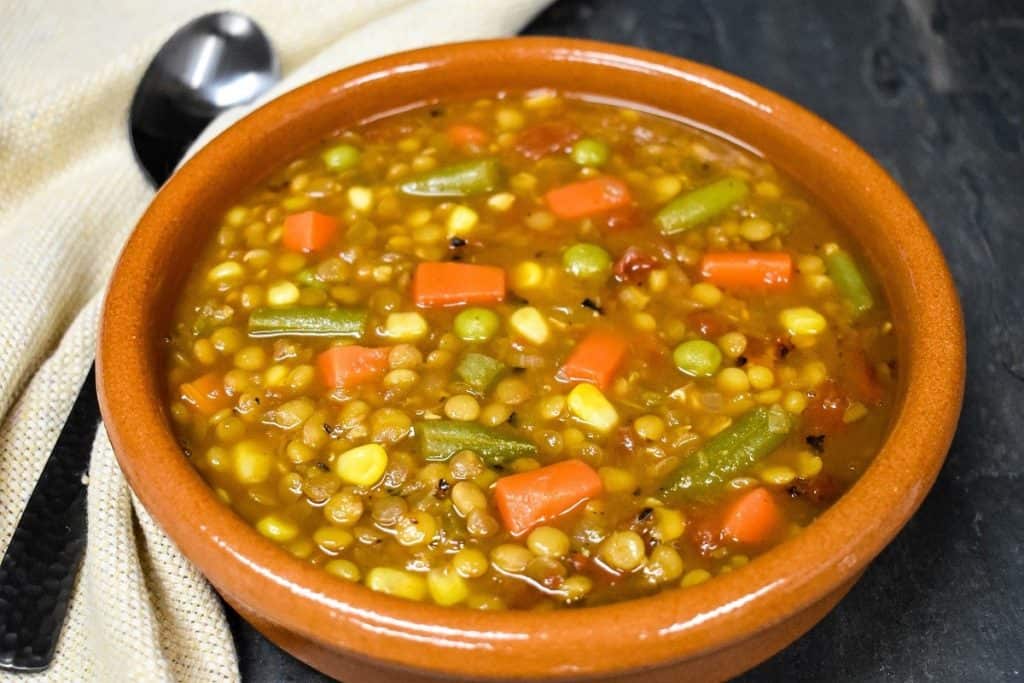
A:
70,193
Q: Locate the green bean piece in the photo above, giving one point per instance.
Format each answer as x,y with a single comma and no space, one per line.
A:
441,439
307,321
728,454
697,358
694,208
479,371
458,180
850,283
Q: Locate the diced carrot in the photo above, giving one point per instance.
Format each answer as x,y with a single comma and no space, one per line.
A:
753,519
748,269
308,231
348,366
206,394
530,498
588,197
467,135
437,284
595,359
824,413
549,137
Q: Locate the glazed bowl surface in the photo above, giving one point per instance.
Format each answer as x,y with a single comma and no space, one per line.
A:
711,631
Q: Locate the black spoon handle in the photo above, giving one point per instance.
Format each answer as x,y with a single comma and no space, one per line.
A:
39,569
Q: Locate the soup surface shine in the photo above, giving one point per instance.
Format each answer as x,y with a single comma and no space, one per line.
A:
529,352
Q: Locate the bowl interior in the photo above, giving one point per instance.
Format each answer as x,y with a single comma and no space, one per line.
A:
671,625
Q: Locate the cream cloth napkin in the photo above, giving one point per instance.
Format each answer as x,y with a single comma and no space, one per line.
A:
70,193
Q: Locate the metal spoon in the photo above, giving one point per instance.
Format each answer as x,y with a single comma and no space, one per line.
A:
212,63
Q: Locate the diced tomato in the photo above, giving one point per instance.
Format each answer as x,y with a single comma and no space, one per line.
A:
824,413
549,137
708,324
634,265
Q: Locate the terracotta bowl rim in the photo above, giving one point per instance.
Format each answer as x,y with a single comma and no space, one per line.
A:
675,624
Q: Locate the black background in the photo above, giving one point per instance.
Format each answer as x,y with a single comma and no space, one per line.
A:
935,91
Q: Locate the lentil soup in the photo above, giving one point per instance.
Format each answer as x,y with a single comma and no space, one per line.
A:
529,351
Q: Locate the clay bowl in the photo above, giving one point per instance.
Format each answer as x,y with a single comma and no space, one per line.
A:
712,631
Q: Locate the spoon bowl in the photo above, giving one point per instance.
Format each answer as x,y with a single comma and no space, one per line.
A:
215,62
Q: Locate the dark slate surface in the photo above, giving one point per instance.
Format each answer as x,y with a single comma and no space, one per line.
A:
935,91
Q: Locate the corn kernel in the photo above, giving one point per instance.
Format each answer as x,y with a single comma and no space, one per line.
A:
777,475
802,320
363,465
282,294
634,297
252,461
645,322
669,524
360,198
588,405
657,280
405,327
527,275
446,586
502,201
396,582
808,464
277,528
461,221
617,480
530,324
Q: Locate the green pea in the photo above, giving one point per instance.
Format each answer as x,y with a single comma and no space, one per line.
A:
476,324
697,358
341,157
587,261
590,152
